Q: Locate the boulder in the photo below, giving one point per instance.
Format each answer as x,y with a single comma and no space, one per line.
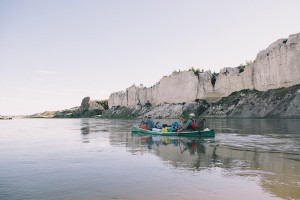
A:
90,105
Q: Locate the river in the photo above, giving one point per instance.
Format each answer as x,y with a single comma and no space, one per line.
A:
74,159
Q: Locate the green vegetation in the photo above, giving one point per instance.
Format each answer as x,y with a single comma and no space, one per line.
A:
214,78
279,93
103,103
199,109
196,71
148,104
119,112
226,72
234,97
241,68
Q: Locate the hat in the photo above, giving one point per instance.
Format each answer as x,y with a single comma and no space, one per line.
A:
192,114
149,116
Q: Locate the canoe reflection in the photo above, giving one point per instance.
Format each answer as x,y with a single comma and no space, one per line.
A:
180,152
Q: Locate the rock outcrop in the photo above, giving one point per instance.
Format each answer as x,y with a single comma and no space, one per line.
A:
268,87
274,103
90,105
165,110
88,108
275,67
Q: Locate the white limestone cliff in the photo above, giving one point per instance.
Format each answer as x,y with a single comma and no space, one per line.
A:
275,67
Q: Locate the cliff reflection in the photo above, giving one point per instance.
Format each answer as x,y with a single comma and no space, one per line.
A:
85,130
255,126
91,129
267,150
277,173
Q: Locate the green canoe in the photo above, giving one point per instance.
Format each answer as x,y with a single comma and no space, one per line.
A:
204,133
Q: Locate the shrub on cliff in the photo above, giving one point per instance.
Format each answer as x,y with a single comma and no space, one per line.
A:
196,71
148,104
103,103
214,78
241,68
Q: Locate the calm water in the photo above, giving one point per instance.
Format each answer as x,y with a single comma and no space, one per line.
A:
91,159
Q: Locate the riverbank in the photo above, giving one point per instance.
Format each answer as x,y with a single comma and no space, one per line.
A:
275,103
5,118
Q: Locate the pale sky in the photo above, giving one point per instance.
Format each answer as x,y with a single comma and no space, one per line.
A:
53,53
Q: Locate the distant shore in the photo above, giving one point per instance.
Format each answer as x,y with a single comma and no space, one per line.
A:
5,118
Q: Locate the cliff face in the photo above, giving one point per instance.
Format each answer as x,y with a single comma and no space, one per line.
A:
275,67
278,65
273,103
169,89
179,87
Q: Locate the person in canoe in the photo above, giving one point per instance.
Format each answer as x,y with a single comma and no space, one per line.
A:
149,122
142,125
143,120
190,125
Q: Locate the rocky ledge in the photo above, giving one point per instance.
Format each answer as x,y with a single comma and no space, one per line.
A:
88,108
275,103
